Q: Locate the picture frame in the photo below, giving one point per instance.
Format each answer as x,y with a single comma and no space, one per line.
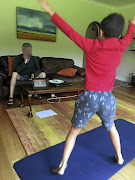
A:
35,25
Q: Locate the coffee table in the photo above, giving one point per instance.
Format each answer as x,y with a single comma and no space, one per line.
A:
76,87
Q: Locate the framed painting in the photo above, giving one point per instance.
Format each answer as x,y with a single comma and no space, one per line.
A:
35,25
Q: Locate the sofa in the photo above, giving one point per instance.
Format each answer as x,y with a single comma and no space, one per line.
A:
49,65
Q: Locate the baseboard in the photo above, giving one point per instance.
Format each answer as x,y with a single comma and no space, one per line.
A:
126,79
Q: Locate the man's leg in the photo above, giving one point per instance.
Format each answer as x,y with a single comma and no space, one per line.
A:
69,145
114,136
41,75
15,77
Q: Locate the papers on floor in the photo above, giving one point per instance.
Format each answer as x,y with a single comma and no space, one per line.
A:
46,113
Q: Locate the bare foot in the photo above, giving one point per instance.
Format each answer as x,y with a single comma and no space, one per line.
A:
119,159
60,170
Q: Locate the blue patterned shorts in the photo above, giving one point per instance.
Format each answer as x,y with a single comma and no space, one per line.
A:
89,103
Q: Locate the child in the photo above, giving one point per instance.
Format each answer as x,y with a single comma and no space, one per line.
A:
103,56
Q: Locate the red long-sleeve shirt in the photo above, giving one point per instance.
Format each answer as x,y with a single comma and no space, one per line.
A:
102,57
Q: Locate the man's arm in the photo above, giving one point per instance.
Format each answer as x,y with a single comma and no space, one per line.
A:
83,43
17,66
37,68
129,35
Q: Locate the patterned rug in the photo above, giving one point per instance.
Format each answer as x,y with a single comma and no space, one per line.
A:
37,134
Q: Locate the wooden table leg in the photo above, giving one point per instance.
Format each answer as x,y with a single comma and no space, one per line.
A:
29,101
21,105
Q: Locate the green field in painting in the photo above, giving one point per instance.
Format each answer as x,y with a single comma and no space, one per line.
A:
27,34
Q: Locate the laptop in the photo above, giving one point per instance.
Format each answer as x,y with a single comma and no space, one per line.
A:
40,83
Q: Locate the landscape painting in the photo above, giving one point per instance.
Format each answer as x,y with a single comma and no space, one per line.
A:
35,25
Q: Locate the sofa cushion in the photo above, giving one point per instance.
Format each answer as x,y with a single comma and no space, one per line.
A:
3,74
51,65
10,65
39,60
67,72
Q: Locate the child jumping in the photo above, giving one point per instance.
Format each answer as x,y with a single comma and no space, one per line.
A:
103,55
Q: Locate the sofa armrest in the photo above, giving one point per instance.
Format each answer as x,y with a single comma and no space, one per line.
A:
76,67
1,86
3,74
80,71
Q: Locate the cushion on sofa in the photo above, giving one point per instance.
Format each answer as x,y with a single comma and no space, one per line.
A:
51,65
10,65
39,60
3,74
67,72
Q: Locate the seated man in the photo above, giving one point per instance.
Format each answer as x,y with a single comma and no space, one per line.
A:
26,67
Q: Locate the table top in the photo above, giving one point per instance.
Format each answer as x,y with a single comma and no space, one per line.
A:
76,86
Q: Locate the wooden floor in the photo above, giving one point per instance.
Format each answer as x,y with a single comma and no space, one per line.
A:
11,149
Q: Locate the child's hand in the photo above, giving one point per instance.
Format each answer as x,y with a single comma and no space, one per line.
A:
44,4
132,20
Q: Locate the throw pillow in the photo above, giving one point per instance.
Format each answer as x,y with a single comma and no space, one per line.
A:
10,65
67,72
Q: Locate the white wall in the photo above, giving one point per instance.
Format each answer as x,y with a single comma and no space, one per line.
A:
128,60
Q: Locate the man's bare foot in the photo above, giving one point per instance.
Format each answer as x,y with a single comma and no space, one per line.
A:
119,159
60,170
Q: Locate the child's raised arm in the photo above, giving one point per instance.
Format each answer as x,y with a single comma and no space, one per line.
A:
132,20
129,35
44,4
84,43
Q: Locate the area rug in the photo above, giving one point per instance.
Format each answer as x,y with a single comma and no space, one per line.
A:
92,157
37,134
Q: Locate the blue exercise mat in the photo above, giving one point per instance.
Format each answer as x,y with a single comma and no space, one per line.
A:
91,159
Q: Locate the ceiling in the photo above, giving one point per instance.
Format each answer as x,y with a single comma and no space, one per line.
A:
115,3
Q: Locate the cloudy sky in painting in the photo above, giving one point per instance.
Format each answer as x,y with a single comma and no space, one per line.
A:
28,19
